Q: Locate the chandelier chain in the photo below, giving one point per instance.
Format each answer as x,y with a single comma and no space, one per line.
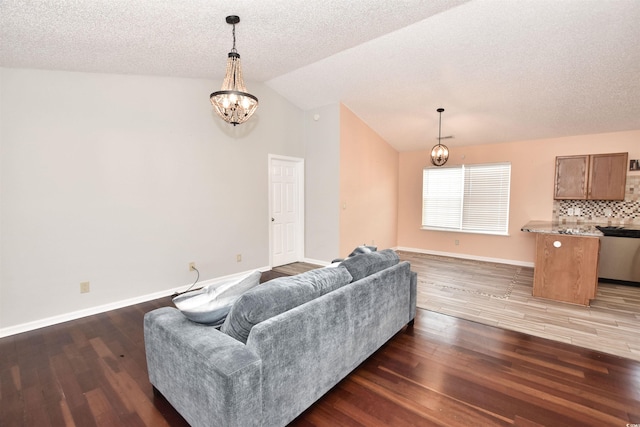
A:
233,49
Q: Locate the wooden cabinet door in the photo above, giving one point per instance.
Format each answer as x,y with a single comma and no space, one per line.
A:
608,176
566,268
571,177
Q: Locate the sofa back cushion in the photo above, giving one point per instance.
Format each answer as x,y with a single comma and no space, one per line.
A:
279,295
363,265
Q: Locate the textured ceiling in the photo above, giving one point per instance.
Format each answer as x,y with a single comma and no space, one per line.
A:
504,70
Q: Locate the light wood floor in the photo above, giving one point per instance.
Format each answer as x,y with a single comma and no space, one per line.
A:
500,295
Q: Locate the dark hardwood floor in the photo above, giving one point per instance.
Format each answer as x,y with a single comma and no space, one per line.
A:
442,371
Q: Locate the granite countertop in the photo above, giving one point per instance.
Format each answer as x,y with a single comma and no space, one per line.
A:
562,228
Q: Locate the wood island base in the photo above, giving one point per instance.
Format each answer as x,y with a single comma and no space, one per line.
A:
566,268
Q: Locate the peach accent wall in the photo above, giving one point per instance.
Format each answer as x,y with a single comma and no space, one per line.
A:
368,186
532,176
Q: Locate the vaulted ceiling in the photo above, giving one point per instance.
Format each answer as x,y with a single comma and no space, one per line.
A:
504,70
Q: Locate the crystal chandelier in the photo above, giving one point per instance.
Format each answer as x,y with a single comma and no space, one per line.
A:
439,152
232,103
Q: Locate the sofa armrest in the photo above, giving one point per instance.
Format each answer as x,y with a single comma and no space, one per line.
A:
413,295
207,376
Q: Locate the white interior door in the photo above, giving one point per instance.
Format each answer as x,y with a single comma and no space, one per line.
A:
286,205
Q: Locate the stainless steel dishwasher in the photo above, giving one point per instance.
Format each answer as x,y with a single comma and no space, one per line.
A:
620,255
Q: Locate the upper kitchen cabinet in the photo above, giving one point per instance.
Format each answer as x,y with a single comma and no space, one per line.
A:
593,177
572,176
607,176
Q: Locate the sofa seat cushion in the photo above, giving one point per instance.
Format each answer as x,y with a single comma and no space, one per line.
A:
211,304
279,295
363,265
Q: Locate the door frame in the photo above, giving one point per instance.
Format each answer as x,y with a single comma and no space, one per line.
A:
299,165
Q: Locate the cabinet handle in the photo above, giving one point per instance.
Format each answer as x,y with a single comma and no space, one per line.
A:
557,243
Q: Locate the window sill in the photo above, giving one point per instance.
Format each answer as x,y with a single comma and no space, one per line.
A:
456,230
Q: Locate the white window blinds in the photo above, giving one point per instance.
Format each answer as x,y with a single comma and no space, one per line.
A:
442,193
473,198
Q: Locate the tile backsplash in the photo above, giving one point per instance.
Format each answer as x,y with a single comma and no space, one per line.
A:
611,212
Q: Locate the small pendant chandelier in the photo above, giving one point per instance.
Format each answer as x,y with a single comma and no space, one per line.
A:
439,152
232,103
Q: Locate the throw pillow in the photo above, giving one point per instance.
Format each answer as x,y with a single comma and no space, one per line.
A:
211,304
362,249
363,265
280,295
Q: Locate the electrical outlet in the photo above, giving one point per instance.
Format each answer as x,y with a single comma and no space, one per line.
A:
85,287
192,266
457,242
239,258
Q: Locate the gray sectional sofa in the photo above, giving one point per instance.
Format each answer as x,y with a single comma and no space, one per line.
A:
283,345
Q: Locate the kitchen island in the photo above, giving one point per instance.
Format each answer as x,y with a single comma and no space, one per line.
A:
566,261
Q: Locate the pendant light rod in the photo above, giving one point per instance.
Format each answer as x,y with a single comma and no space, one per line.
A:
440,110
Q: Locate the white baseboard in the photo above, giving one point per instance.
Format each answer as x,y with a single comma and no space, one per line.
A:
54,320
466,256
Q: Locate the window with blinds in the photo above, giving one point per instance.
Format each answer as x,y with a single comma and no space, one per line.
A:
472,198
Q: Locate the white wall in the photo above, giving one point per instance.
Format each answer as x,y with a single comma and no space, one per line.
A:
322,182
122,181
